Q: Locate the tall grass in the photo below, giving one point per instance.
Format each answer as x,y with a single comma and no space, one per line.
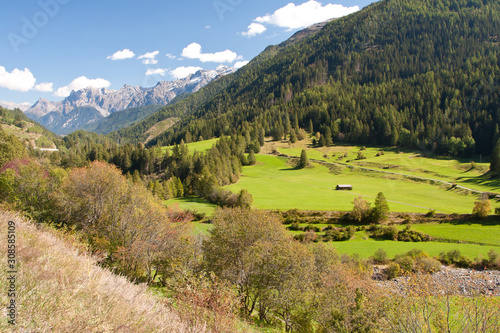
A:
62,289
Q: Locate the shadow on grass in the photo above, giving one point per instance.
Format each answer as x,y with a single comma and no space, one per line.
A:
193,200
492,220
488,179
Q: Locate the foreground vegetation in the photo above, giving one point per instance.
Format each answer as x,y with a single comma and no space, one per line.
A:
61,288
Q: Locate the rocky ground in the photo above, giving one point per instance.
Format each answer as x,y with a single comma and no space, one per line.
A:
467,282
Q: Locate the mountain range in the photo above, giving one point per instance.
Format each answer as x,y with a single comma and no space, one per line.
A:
86,107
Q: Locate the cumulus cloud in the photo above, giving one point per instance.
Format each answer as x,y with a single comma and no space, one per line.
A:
156,71
121,55
170,56
193,51
182,72
81,83
44,87
149,58
254,29
292,16
240,64
18,80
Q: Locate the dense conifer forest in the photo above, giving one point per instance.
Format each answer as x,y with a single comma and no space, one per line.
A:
417,74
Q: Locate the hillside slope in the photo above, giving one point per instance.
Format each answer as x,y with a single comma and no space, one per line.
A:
418,74
60,289
28,131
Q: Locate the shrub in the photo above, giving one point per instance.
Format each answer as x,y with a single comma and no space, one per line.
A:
428,265
497,210
482,208
380,256
406,263
360,156
455,258
361,210
392,271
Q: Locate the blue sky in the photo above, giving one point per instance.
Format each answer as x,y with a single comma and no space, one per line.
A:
49,47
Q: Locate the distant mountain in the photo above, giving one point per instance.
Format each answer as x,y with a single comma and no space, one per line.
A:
11,106
60,118
121,119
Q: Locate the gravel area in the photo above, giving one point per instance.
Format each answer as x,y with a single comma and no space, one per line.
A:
466,282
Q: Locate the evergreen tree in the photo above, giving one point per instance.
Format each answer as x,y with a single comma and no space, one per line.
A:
251,160
328,136
380,211
310,128
245,199
293,136
495,158
321,141
304,161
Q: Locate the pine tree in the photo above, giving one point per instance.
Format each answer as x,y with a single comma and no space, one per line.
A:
251,160
310,129
328,136
293,136
495,158
304,161
381,210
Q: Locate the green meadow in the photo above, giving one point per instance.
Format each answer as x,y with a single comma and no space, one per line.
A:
275,184
455,170
199,146
365,247
192,203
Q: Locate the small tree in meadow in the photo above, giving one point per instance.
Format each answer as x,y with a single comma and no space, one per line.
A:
482,208
381,210
361,210
304,161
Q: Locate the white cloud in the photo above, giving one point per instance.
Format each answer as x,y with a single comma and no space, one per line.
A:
123,54
254,29
182,72
193,51
44,87
18,80
149,58
156,71
150,61
81,83
293,17
240,64
170,56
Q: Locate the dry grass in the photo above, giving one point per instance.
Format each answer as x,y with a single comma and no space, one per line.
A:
61,289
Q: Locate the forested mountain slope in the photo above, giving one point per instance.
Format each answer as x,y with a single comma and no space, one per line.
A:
421,73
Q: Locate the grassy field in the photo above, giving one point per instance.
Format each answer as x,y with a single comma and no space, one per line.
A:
457,170
274,184
192,203
473,232
199,146
365,247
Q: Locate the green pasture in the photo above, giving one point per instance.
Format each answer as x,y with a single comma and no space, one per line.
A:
473,232
192,203
274,184
457,170
365,247
199,146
